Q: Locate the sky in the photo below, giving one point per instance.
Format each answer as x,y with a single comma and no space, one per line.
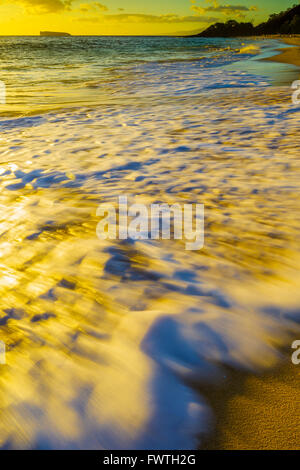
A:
128,17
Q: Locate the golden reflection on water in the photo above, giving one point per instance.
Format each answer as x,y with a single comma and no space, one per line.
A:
100,334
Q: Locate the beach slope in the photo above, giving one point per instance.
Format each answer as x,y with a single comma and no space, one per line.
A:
289,55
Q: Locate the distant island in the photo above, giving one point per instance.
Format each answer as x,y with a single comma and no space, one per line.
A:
286,22
53,33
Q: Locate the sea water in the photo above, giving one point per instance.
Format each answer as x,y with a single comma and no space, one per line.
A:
104,338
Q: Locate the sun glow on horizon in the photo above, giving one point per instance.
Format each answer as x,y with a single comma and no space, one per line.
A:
130,17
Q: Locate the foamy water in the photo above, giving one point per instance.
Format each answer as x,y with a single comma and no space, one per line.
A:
104,337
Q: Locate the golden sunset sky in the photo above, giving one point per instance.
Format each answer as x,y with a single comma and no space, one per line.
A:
127,17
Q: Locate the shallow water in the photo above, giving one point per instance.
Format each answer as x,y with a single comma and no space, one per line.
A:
102,337
44,74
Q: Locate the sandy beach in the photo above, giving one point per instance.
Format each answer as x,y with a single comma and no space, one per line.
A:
289,55
258,412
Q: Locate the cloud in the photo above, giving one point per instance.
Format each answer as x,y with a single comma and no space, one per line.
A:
227,10
86,7
45,6
54,6
141,18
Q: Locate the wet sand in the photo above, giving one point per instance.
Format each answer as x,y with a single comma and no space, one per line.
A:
289,55
259,412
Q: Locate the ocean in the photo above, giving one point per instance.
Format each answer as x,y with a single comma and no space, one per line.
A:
110,342
43,74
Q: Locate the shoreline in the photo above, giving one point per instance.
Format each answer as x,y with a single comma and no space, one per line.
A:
258,411
288,55
68,295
